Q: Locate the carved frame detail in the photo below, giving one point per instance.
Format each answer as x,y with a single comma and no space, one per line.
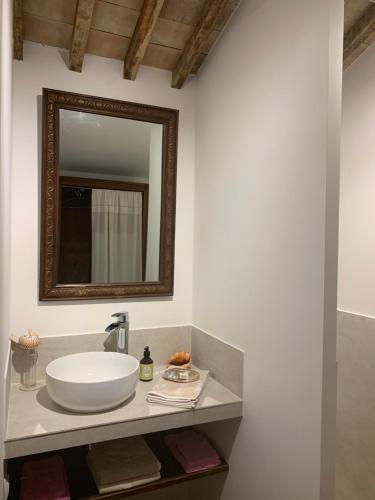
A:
49,289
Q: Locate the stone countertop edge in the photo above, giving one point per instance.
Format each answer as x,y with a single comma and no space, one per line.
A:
36,424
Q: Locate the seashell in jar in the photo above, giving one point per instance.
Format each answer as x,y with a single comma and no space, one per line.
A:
29,341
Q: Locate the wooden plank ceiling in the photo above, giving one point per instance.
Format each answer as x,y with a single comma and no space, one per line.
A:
359,29
175,35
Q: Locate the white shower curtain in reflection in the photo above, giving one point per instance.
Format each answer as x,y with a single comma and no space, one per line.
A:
116,236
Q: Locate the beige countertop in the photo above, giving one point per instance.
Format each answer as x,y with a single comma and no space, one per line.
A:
36,424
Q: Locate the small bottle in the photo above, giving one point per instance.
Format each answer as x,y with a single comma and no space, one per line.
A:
146,366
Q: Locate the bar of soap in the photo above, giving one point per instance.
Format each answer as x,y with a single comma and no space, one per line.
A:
183,375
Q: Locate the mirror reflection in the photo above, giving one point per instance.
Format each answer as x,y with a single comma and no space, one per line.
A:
110,172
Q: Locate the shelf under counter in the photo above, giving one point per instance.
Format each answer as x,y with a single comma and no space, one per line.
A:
36,424
82,485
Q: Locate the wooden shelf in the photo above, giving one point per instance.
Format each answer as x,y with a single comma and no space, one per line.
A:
82,485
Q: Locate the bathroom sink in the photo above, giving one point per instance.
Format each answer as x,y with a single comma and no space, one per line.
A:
92,381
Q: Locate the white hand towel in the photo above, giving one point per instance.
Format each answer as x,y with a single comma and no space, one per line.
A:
130,484
182,395
122,485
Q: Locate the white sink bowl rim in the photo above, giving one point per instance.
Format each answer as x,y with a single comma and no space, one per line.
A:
92,381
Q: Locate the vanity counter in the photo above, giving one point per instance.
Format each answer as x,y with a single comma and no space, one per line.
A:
36,424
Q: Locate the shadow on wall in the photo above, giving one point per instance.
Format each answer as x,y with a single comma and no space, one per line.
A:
223,436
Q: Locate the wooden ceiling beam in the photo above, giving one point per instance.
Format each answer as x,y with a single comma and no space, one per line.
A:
18,29
360,36
141,37
82,24
211,12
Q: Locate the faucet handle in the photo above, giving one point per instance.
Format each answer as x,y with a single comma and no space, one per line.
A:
122,317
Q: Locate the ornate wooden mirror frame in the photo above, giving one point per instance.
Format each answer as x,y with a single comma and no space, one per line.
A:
49,288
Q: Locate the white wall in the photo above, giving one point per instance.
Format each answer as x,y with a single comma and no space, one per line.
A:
357,191
5,170
6,56
44,67
154,203
267,159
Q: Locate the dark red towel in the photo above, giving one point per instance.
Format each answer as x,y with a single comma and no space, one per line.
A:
192,450
44,480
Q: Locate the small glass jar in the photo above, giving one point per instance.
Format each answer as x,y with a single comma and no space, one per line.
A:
28,376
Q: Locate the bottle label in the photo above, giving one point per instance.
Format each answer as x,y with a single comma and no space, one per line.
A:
146,372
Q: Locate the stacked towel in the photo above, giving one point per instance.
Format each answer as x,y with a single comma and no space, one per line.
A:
44,480
184,395
192,450
122,464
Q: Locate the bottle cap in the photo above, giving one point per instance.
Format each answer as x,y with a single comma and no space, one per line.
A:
146,352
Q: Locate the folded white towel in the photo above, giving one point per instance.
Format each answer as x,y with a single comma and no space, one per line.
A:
130,484
122,460
184,395
122,485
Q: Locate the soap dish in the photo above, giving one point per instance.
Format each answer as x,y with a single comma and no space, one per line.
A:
181,375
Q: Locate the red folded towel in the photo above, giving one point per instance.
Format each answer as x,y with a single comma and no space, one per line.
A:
44,480
192,450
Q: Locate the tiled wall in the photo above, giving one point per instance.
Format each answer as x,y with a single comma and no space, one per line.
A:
162,342
355,468
224,361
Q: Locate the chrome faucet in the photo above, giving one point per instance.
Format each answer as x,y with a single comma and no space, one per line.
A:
121,327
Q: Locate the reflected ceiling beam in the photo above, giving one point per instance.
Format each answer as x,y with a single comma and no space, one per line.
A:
360,36
82,24
18,29
211,12
141,37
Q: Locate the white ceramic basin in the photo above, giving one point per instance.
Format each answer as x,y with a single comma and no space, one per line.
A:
92,381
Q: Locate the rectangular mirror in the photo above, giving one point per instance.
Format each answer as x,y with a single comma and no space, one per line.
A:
108,198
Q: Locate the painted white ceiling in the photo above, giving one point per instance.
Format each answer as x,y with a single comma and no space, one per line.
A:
96,144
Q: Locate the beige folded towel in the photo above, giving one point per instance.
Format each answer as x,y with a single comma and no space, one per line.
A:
122,460
122,485
184,395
